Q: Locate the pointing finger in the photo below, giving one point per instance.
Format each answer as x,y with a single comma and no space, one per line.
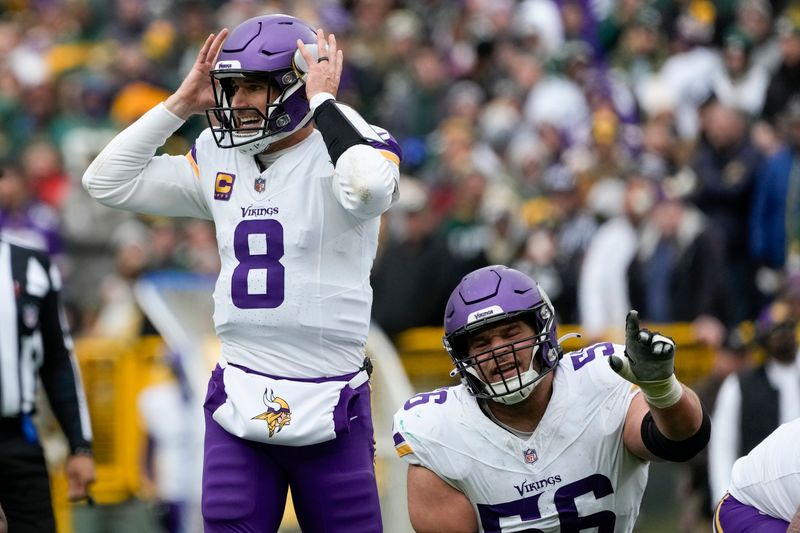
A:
632,326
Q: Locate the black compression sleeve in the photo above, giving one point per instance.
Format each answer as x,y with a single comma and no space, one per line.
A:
674,450
58,374
336,130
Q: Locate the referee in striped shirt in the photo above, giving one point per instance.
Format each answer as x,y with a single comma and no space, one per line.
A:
35,343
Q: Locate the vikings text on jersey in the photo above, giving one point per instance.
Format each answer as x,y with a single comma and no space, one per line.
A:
572,473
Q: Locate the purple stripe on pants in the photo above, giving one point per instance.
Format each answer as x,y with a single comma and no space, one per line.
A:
333,483
732,516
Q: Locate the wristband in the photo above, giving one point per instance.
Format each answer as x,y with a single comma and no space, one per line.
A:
663,393
318,99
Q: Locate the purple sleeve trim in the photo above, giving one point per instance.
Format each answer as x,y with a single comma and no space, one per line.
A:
389,143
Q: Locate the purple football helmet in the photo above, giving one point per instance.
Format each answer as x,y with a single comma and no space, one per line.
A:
486,297
261,47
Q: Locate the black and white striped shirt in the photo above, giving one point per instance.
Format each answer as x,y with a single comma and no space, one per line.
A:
35,343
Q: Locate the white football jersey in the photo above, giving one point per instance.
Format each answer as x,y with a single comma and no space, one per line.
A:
294,283
296,241
574,472
768,478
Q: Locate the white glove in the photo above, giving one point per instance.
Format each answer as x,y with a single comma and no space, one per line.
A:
649,363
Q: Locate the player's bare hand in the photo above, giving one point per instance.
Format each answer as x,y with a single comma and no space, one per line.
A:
195,94
325,72
80,474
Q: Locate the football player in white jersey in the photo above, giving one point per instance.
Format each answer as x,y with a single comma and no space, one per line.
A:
764,492
534,440
296,205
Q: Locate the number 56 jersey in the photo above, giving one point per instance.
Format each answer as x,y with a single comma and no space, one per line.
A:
572,474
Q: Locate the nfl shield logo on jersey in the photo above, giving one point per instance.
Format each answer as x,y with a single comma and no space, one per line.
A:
260,184
530,456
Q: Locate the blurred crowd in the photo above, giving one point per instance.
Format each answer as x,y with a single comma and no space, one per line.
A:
626,154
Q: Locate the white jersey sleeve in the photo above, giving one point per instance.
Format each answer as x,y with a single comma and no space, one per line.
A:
127,174
421,439
572,473
768,478
366,177
723,447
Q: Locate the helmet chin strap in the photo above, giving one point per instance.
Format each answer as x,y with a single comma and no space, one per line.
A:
571,335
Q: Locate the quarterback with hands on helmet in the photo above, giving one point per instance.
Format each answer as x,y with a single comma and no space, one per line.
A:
534,439
295,183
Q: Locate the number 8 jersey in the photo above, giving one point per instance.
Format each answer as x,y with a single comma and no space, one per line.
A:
572,474
296,241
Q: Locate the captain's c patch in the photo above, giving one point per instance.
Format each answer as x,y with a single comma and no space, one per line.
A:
223,186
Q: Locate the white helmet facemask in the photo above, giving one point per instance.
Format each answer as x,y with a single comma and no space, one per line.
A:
510,391
260,143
